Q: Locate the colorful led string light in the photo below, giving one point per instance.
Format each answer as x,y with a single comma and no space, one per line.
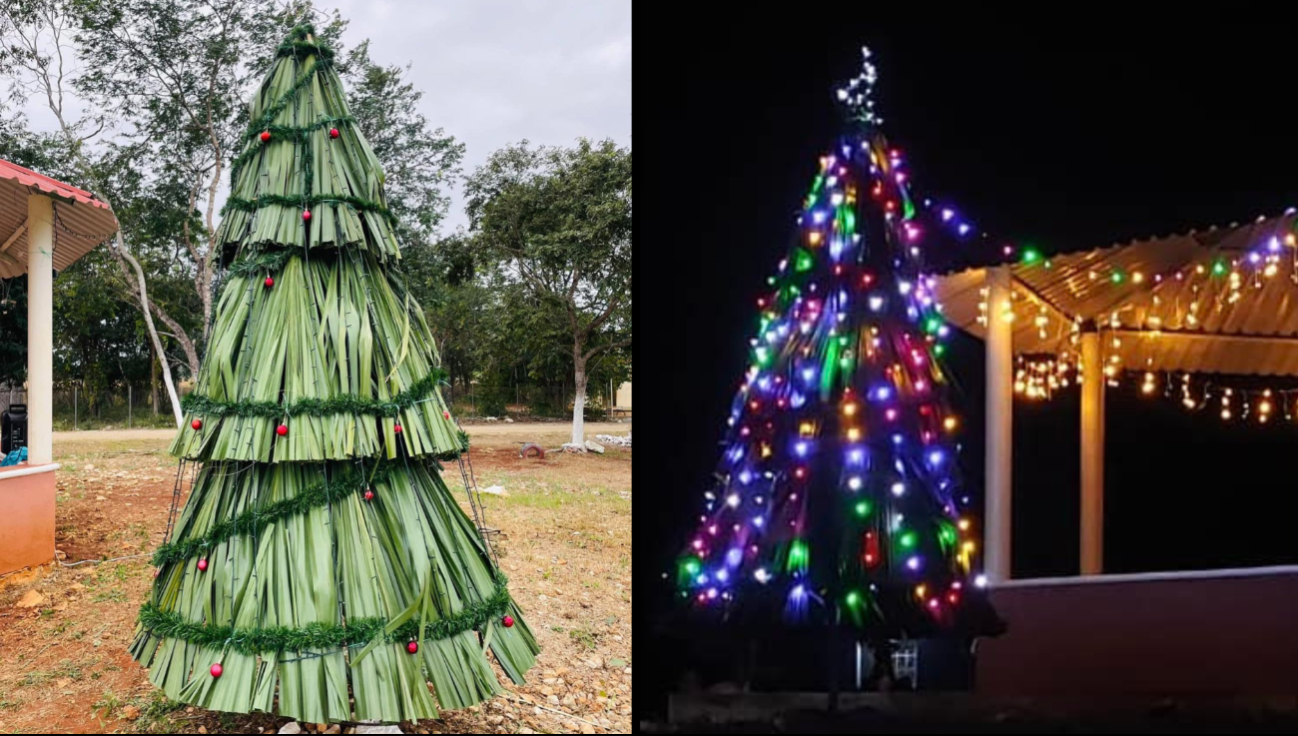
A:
841,442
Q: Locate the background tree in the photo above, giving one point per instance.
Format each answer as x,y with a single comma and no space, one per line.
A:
559,220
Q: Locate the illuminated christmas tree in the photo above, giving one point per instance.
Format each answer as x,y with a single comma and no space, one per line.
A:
838,496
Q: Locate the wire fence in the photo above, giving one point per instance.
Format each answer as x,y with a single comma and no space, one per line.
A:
128,405
139,405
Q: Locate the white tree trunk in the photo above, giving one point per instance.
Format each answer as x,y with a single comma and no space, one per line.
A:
153,331
579,403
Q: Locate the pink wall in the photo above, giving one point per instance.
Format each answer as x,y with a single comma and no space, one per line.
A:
1235,632
26,519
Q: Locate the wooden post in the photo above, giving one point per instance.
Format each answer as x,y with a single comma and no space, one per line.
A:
1092,453
1000,424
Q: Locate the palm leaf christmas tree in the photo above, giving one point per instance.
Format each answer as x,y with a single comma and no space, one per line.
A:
321,568
837,497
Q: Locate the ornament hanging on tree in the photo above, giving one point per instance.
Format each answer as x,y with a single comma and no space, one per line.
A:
333,132
369,495
265,136
196,424
217,669
202,565
508,621
413,647
281,430
269,282
306,215
397,428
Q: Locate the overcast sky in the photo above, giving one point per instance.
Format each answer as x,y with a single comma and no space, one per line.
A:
495,72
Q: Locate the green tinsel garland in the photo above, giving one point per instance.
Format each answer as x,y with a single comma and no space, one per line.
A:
283,133
317,635
356,203
421,389
252,521
267,261
302,48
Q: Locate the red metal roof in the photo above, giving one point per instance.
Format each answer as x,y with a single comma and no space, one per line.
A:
30,178
80,220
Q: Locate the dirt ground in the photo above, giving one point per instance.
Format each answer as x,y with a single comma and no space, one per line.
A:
566,546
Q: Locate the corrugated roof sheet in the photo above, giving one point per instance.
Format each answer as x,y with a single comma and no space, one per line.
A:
1255,332
81,222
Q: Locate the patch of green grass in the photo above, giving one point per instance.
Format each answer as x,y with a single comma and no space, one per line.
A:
112,595
585,637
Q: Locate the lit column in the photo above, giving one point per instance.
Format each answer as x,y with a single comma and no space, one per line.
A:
1000,427
1092,447
40,329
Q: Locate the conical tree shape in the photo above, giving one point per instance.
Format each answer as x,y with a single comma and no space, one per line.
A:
837,496
320,557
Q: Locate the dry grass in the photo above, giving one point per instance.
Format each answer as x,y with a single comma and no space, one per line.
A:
566,546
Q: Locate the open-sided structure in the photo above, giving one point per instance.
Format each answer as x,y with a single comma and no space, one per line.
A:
45,226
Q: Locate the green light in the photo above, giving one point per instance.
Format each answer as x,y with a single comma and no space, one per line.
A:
1031,256
804,261
762,355
853,599
1219,268
770,280
850,220
932,324
862,508
1117,277
797,555
947,534
907,540
939,349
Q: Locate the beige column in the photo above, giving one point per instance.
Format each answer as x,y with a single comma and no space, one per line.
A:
1000,430
40,328
1092,453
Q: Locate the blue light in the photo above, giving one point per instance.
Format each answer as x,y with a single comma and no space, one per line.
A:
881,393
856,456
801,448
936,457
734,557
745,477
964,228
947,214
796,400
722,575
808,374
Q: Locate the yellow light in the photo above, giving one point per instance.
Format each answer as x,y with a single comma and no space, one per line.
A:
967,547
1264,407
766,450
920,590
1290,240
807,429
854,434
1137,277
849,409
814,237
949,424
964,525
1225,413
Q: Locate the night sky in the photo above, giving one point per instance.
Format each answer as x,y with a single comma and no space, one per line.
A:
1068,137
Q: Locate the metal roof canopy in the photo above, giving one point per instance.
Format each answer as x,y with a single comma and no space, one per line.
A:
1254,333
80,220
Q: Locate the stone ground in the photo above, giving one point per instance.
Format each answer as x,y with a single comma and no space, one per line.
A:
566,523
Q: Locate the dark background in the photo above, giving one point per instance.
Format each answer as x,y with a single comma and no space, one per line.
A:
1064,134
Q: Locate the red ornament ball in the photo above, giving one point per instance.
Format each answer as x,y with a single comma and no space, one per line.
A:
265,136
306,215
446,414
281,430
413,647
333,132
196,424
217,670
369,495
397,428
202,565
269,282
508,621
